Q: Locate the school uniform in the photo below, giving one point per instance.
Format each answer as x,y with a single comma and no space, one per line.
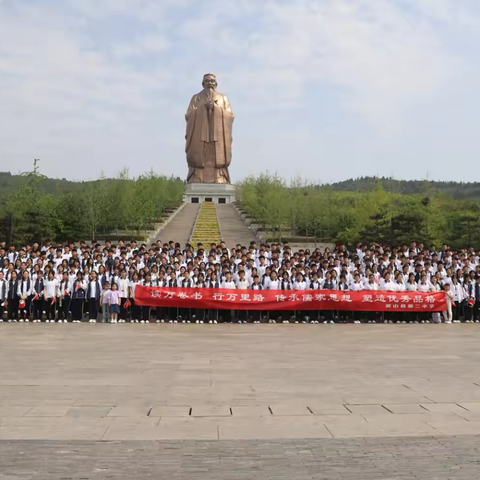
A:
25,288
38,299
122,284
227,315
328,285
213,312
171,312
186,313
12,298
476,306
51,287
78,299
64,295
136,310
256,314
3,297
94,291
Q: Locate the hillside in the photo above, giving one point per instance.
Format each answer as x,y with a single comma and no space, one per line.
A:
457,190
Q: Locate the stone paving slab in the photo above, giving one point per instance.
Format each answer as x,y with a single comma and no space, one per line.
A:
406,458
231,381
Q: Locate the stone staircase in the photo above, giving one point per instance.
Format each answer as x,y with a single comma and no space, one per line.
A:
232,227
180,228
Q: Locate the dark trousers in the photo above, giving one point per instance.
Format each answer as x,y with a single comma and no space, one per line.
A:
468,312
77,309
25,311
136,311
145,313
64,308
200,314
242,315
2,310
160,313
93,304
123,310
476,310
255,315
13,309
38,306
50,309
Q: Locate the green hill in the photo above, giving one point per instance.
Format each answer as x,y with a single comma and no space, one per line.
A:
458,190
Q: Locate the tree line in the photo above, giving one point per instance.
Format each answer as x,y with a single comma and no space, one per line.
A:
298,209
35,208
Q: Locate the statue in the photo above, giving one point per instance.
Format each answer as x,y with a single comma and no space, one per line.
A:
209,135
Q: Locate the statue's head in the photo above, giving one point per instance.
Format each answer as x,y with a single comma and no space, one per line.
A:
209,81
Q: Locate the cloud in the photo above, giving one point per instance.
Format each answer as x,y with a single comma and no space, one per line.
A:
103,85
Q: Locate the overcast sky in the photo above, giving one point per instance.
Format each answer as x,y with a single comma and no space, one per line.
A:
323,89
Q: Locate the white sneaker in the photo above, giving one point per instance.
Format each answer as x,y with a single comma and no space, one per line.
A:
201,322
158,321
21,320
331,321
210,321
162,321
132,321
188,321
60,321
147,321
183,321
215,322
142,321
175,321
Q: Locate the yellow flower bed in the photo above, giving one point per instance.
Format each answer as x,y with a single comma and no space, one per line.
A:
206,228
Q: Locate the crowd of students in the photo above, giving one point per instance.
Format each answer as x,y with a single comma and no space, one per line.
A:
63,283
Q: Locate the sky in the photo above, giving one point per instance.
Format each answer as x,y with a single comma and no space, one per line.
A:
325,90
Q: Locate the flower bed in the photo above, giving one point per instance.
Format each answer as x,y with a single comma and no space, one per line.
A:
206,228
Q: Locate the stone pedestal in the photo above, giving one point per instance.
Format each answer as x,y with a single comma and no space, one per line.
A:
209,192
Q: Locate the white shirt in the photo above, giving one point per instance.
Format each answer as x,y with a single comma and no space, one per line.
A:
123,287
93,289
51,288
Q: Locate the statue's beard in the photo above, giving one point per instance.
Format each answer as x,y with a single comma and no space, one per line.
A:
210,91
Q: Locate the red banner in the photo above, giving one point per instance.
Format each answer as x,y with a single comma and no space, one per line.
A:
231,299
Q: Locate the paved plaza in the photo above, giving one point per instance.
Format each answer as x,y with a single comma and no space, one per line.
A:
239,401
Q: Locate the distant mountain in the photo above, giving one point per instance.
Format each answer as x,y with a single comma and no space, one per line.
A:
458,190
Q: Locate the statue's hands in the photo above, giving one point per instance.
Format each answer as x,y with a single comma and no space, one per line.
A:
210,105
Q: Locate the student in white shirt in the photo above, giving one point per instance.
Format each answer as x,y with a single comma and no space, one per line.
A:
123,291
298,286
447,313
50,295
242,284
227,283
136,310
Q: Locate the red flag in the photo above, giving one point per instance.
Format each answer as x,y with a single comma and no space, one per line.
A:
127,304
54,300
65,293
22,304
35,297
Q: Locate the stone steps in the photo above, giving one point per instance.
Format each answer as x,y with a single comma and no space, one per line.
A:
180,228
232,227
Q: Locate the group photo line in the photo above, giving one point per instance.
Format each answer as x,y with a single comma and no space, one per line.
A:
130,282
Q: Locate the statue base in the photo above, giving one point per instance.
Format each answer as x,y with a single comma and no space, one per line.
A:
209,192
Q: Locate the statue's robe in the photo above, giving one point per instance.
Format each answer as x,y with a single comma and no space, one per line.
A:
209,139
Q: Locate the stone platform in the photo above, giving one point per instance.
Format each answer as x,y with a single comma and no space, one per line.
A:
209,192
231,402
